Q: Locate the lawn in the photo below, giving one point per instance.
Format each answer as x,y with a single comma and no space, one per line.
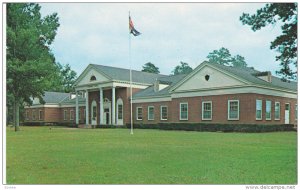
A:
37,155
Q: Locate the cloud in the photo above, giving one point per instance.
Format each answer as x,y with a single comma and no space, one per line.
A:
171,32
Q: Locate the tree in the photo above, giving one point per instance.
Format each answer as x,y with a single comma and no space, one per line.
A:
239,61
183,68
286,43
68,78
223,57
30,63
150,68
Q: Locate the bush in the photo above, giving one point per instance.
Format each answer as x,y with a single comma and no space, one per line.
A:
211,127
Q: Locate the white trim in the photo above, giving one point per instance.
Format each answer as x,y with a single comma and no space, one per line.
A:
53,106
149,112
277,119
152,99
207,119
71,118
65,115
261,104
40,114
289,115
228,110
250,89
268,119
163,106
187,114
137,113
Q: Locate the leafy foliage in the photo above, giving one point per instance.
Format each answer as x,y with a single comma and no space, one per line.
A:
223,57
150,68
183,68
30,62
285,44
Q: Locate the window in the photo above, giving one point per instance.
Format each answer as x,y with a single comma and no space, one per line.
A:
120,111
277,110
139,113
268,109
183,111
258,109
163,113
84,114
92,78
94,112
150,112
71,114
65,114
207,110
33,115
40,114
27,115
296,112
233,109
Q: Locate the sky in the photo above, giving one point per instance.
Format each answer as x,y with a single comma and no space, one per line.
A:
171,32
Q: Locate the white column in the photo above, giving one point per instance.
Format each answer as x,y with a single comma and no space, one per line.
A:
101,106
86,107
113,105
77,110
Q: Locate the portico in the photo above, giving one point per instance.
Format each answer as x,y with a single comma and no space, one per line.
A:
107,94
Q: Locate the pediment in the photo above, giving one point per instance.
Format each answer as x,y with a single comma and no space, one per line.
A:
91,75
207,77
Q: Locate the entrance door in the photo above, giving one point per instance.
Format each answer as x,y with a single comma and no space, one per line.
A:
106,119
287,114
94,113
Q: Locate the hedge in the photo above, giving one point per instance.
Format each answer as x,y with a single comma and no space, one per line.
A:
210,127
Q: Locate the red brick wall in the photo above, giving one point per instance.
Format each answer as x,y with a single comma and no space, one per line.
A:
247,109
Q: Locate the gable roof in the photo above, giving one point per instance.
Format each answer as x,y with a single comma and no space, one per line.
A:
54,97
170,80
248,74
124,74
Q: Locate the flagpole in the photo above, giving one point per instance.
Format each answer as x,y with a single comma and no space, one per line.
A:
131,120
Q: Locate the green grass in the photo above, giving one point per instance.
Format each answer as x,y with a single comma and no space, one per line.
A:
37,155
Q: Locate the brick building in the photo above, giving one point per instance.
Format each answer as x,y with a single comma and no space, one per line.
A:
211,93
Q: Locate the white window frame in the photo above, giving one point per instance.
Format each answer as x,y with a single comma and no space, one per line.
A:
161,113
118,117
228,110
205,102
149,119
71,115
137,113
277,119
268,119
33,115
261,102
65,115
187,111
40,118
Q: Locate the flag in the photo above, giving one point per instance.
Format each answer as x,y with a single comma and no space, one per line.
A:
132,30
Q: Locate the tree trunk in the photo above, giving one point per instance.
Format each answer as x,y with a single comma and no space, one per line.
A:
14,114
17,115
16,107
